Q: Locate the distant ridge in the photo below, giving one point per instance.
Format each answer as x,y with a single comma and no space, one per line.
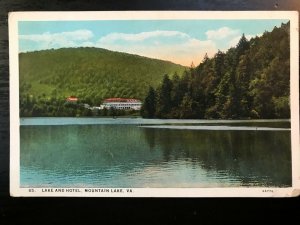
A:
91,74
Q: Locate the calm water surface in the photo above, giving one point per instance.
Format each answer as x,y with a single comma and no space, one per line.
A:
105,152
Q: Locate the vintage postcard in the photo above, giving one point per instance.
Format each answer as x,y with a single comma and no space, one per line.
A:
154,104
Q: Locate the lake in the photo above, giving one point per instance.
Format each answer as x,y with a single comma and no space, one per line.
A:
139,153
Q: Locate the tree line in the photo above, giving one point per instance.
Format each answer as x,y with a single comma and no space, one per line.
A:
57,107
251,80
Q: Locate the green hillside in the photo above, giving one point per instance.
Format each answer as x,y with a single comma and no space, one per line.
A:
91,74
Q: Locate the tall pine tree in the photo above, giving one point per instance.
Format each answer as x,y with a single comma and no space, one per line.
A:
149,107
164,98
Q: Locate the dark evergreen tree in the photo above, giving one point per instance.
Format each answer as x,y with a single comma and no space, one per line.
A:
186,107
205,58
164,98
242,46
149,106
219,64
242,87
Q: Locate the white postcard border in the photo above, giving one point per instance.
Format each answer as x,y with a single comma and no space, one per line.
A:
15,189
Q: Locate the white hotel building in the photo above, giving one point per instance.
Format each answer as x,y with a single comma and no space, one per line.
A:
121,103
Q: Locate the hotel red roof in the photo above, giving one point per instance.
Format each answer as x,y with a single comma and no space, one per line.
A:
72,99
121,100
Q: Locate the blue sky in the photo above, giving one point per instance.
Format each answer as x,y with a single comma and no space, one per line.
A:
180,41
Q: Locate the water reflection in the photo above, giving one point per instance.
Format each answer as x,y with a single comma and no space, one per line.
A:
132,156
264,155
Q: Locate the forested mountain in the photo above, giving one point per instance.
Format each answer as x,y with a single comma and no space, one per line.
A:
251,80
47,77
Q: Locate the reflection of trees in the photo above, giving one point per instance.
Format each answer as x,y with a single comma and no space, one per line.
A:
150,137
167,144
247,155
166,141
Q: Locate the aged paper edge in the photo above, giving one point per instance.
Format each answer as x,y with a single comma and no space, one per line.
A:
15,189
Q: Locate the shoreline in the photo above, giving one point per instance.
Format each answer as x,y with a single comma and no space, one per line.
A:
27,121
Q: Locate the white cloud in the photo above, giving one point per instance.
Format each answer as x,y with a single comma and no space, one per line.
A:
174,46
222,33
77,35
55,40
141,36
